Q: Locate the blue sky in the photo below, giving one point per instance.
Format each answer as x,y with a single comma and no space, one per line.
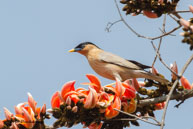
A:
35,37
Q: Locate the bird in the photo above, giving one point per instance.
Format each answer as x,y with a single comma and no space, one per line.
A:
114,67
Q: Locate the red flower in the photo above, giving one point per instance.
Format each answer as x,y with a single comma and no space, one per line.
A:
1,124
95,126
110,112
185,83
159,106
150,14
55,100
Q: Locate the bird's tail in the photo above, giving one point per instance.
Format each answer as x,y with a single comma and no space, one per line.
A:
151,76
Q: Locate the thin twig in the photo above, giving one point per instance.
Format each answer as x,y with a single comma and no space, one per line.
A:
174,18
176,14
139,35
150,117
144,120
126,119
161,60
163,31
123,20
181,11
172,89
110,24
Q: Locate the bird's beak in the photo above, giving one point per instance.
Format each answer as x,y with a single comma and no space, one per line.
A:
72,50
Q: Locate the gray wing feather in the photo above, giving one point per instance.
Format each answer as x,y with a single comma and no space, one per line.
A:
117,60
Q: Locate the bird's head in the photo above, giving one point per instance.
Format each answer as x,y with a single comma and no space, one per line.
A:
84,48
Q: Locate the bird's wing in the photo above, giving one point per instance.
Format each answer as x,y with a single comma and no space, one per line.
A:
117,60
140,65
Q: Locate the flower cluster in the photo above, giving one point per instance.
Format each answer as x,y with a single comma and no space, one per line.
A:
90,107
188,30
27,115
95,107
150,8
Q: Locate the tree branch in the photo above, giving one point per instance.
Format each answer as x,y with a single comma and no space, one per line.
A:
139,118
172,89
177,96
139,35
161,60
160,41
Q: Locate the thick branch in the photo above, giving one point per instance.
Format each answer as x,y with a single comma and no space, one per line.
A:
177,96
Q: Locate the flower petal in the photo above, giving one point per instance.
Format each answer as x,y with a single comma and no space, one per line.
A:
129,91
8,114
18,111
14,126
184,23
119,88
131,107
43,110
154,71
29,120
136,84
95,125
191,8
32,103
55,100
150,14
174,67
67,87
159,106
185,83
93,79
92,99
73,95
1,124
110,112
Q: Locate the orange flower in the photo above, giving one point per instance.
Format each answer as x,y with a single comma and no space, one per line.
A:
55,100
159,106
131,107
129,91
110,112
25,115
120,90
92,99
8,114
95,126
32,103
67,87
1,124
43,110
28,116
73,96
105,100
185,83
150,14
95,82
154,71
174,67
136,84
